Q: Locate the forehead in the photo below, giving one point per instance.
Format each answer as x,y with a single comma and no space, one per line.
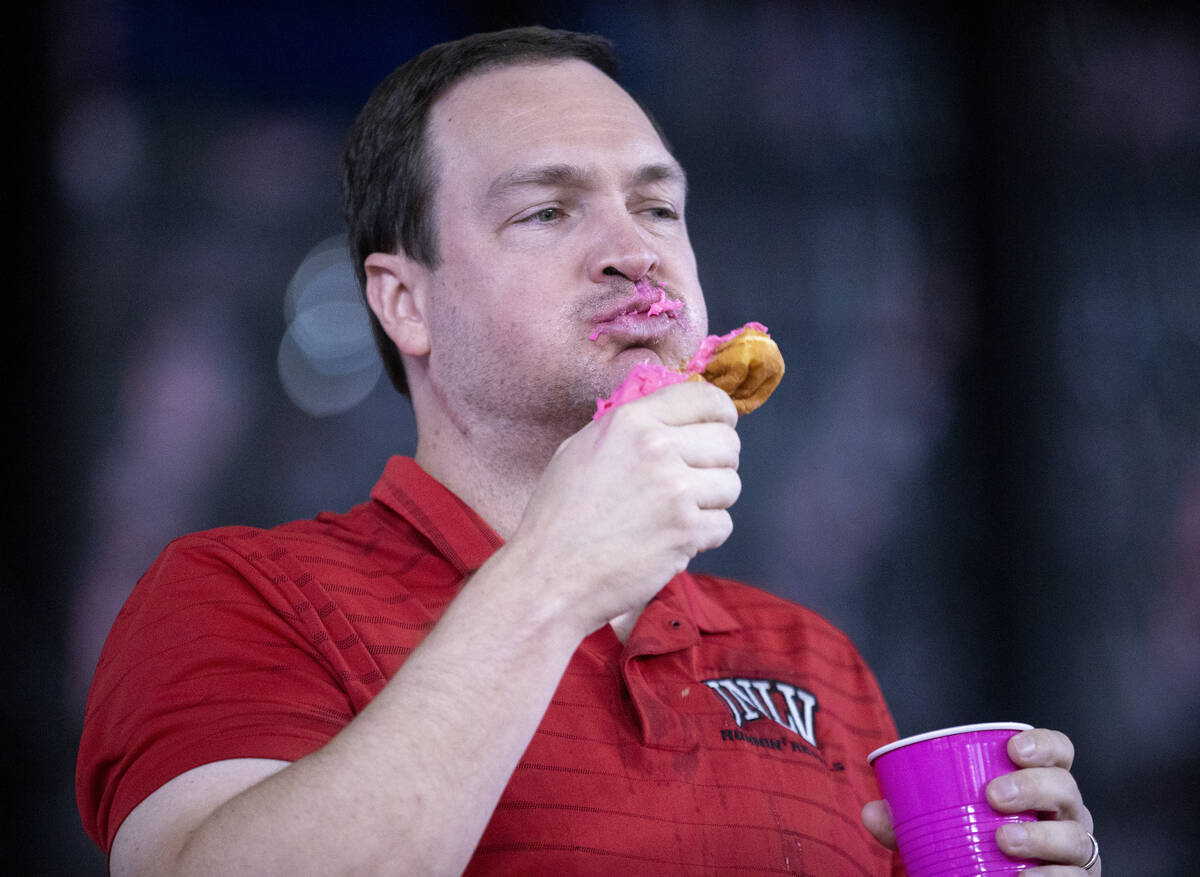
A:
560,111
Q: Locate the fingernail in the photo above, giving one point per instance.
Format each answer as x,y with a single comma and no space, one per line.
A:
1025,746
1015,835
1004,789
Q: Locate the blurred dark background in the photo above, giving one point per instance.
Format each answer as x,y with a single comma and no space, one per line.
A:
976,237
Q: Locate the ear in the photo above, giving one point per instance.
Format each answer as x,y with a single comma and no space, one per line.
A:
395,292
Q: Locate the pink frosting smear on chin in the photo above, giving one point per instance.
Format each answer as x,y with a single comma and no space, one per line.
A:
646,377
642,380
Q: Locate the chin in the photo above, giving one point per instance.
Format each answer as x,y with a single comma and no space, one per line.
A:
631,356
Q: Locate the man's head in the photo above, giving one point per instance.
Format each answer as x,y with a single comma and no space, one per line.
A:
556,214
389,174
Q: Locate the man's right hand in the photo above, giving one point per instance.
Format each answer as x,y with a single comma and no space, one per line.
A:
629,500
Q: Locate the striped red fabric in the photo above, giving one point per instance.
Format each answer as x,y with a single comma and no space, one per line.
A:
727,736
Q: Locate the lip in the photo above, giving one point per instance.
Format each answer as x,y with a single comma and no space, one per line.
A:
634,327
635,305
645,314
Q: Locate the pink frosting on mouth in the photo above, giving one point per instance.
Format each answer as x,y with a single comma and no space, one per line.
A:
664,305
646,377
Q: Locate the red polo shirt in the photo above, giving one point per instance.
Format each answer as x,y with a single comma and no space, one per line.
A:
727,736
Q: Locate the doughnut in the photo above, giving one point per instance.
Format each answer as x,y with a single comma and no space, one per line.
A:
745,363
747,366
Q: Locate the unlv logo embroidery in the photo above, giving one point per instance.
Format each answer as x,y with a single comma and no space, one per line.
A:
752,699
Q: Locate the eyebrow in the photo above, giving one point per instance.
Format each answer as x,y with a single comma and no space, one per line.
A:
572,176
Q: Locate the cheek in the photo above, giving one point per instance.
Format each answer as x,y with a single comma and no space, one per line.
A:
491,339
699,319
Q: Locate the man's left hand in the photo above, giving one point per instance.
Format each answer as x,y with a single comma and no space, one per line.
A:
1043,783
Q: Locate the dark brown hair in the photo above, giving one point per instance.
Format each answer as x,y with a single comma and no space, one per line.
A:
388,177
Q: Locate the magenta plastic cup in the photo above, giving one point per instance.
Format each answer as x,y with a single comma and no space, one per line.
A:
934,785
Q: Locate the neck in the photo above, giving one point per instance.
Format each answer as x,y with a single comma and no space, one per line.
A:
495,472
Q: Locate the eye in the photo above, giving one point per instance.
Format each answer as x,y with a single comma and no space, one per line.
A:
661,211
544,215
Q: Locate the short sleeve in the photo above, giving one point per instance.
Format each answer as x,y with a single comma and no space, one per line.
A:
208,660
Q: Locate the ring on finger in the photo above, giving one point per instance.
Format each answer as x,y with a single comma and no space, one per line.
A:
1091,862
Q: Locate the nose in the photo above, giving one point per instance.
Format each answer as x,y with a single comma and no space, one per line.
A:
621,249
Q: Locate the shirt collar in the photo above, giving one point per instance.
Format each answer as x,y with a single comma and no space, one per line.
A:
685,594
460,535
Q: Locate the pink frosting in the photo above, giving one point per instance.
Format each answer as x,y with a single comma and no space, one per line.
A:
703,356
642,380
646,377
664,305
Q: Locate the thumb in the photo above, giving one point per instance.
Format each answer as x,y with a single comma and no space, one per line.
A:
878,820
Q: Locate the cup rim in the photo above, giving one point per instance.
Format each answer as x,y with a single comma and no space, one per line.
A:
946,732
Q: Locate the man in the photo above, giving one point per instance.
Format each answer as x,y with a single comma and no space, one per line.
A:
499,664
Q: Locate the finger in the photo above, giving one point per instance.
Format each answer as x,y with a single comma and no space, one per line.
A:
878,821
713,527
716,488
709,445
1055,843
1042,747
1044,789
688,402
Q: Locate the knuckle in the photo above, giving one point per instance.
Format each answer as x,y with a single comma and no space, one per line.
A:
654,446
646,442
621,415
1056,747
630,418
1068,749
678,514
1071,786
735,485
1085,818
678,490
718,525
730,443
1062,781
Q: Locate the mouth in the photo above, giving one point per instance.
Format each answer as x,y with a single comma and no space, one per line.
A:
643,316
